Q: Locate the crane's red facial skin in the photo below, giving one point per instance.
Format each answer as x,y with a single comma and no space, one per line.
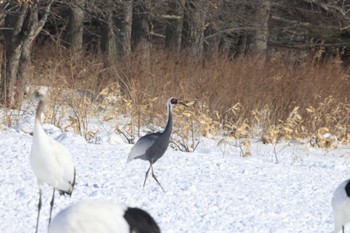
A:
174,101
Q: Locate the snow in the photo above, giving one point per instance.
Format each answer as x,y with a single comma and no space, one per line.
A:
210,190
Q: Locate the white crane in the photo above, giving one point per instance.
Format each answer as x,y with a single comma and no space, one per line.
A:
101,216
341,206
153,146
51,161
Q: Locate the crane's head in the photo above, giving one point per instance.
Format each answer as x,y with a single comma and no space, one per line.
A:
174,100
38,95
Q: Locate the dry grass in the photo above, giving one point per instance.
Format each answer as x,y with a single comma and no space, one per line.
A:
242,97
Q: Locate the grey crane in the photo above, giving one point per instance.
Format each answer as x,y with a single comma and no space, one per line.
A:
152,146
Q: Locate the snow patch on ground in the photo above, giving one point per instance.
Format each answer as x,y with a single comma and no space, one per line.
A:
210,190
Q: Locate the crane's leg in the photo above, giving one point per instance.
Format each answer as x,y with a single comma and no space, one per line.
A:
154,176
144,183
51,204
343,229
39,208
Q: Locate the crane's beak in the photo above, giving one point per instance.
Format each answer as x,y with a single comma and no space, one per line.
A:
182,103
36,95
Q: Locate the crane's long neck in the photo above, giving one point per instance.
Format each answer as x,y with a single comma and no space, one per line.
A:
39,111
169,125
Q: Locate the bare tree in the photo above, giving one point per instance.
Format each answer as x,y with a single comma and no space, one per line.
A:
73,36
124,23
174,17
25,23
194,25
212,34
141,31
3,8
115,18
338,8
262,28
108,31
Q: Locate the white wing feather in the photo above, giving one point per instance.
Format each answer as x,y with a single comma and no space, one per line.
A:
51,161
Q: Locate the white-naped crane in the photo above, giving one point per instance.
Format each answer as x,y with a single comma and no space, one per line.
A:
341,206
50,160
102,216
152,146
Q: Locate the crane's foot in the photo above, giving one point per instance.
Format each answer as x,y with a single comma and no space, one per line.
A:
144,183
39,208
154,176
52,202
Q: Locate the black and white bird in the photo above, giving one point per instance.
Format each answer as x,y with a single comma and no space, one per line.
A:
101,216
153,146
51,161
341,206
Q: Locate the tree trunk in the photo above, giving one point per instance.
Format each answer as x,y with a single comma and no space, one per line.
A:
2,60
3,6
73,37
23,72
194,25
124,23
13,40
108,39
141,32
262,28
212,41
173,31
2,44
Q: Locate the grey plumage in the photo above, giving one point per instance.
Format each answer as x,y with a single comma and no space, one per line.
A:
152,146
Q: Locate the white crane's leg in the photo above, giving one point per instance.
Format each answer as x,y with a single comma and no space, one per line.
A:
51,204
39,208
343,229
154,176
144,183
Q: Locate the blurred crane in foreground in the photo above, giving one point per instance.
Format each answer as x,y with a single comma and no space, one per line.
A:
341,206
101,216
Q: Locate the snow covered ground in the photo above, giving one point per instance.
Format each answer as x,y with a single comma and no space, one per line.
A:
206,191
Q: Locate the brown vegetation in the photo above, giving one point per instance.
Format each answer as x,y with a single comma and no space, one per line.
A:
242,97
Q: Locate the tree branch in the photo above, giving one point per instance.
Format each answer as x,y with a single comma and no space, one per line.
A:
20,20
43,19
229,30
277,18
